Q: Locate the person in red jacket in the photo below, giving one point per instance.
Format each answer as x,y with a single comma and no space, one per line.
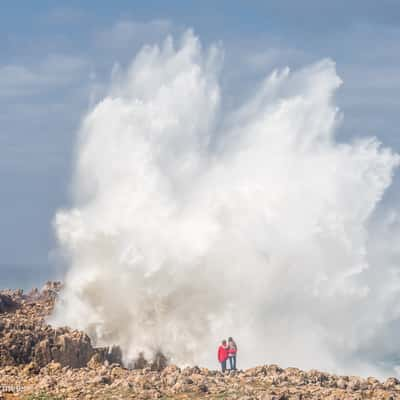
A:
223,355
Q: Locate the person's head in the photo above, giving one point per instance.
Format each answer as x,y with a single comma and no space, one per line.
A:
223,342
230,339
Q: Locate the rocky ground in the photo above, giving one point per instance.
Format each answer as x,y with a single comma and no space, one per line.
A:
265,383
40,362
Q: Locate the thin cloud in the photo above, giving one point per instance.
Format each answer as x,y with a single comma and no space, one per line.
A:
64,15
273,57
54,72
127,33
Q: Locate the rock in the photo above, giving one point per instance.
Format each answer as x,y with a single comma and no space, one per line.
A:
341,384
111,355
159,362
72,349
390,383
25,337
120,383
364,385
171,380
31,368
95,361
7,304
139,363
170,369
42,352
354,385
64,363
104,380
54,367
203,388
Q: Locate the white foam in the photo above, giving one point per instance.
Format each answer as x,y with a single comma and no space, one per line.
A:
191,224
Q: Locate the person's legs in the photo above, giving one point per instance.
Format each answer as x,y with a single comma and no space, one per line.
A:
223,366
234,362
231,362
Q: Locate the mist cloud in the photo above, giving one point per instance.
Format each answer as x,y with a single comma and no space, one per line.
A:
191,223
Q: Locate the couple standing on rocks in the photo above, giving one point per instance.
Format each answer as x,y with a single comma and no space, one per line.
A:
227,351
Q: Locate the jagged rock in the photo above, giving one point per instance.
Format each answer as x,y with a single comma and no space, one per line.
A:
354,384
139,363
42,353
25,337
341,384
72,349
159,362
40,357
7,304
111,355
391,383
96,361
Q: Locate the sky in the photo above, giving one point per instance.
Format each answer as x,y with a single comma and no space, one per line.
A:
56,59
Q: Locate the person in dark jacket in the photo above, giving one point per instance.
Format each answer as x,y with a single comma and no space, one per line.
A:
232,351
223,355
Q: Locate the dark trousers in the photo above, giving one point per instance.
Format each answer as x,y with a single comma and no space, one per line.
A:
223,366
232,362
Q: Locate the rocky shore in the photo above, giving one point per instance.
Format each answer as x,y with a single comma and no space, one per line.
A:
25,337
265,383
38,360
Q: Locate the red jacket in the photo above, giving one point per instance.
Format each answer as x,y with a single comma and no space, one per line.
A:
232,349
222,353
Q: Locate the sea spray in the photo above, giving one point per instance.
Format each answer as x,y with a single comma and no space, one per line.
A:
191,224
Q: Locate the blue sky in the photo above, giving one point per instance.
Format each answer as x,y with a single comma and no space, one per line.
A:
56,57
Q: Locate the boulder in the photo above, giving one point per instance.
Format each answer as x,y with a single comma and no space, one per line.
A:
72,349
7,304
